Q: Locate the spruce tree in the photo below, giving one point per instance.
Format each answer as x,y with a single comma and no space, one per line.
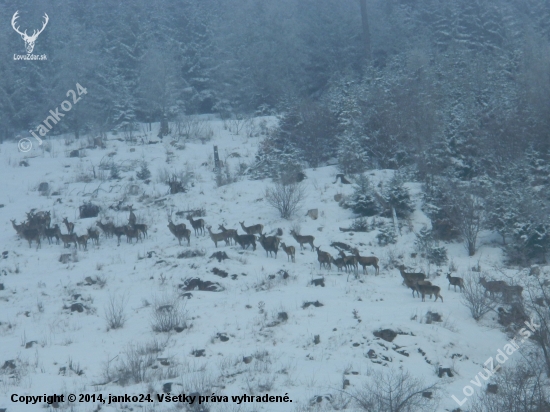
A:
363,201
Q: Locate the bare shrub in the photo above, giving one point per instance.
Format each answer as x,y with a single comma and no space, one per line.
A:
523,388
115,311
236,122
168,315
135,365
395,391
475,299
286,198
193,128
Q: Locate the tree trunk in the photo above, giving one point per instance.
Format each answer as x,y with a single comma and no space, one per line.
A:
366,30
395,224
471,248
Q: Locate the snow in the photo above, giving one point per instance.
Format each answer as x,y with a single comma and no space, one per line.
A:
38,286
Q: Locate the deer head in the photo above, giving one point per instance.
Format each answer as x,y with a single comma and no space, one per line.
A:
29,40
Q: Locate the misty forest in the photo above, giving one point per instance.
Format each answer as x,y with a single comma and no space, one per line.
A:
382,147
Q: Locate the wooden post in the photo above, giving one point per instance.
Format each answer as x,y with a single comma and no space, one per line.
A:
216,158
217,167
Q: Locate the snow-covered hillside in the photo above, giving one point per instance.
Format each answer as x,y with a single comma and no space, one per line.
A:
253,336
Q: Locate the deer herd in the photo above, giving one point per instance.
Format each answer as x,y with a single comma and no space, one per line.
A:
37,227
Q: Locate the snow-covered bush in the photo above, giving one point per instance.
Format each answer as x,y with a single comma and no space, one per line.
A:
363,200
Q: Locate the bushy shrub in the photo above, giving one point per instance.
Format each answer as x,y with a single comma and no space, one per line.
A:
144,173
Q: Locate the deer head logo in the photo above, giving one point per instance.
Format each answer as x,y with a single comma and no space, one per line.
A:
29,40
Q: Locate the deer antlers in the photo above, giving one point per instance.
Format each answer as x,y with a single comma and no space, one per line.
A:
29,40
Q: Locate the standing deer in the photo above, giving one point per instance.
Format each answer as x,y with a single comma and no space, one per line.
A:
180,231
82,241
349,261
108,228
412,284
493,286
51,232
410,276
290,251
303,239
455,281
230,233
131,233
67,239
119,231
339,263
18,228
198,225
270,244
365,261
69,225
510,293
217,237
94,235
132,218
31,234
429,290
252,230
245,240
38,219
142,227
324,258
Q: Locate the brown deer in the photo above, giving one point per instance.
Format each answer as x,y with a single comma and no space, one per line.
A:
510,293
412,284
180,231
349,261
31,234
419,283
51,232
339,263
108,228
245,240
365,261
119,231
252,230
493,286
455,281
429,290
324,258
217,237
198,225
230,233
67,239
132,218
94,235
270,244
303,239
38,219
131,233
290,252
142,228
82,241
69,225
18,228
411,276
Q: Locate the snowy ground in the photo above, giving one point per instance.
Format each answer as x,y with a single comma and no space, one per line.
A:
58,351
